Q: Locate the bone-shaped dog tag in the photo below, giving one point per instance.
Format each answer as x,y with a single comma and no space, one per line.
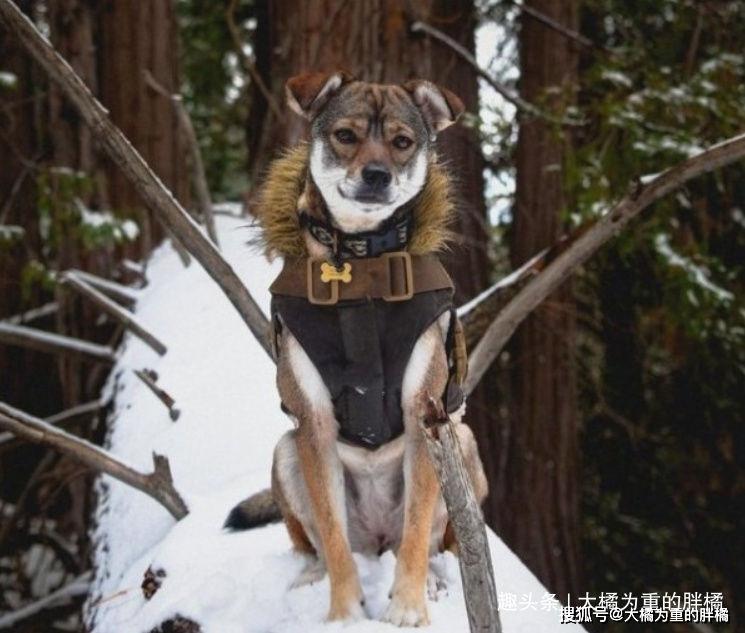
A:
331,273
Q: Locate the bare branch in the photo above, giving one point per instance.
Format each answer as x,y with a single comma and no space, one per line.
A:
467,520
578,251
39,340
124,294
148,378
158,484
199,179
152,190
514,98
125,317
35,313
74,589
557,26
248,65
65,417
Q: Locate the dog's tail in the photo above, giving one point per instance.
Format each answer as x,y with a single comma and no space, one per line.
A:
257,510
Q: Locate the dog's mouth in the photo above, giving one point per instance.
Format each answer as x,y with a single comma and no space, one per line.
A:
368,197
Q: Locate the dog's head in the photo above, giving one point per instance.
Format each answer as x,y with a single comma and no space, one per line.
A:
370,143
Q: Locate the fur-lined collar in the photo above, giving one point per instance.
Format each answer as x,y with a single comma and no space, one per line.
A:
277,215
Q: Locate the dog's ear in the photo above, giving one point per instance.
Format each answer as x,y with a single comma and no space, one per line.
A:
440,107
309,92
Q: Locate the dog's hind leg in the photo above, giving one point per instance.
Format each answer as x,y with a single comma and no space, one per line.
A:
426,374
321,474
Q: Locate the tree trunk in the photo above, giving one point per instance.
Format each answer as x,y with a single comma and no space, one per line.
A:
136,37
537,492
372,40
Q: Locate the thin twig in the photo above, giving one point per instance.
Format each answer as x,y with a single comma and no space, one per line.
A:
113,309
515,99
248,65
587,243
35,313
557,26
158,484
199,178
76,588
465,516
148,185
64,417
123,294
39,340
147,377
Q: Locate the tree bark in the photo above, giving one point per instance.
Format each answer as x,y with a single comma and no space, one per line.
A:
136,37
535,497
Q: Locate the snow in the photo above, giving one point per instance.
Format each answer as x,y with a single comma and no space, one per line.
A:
220,451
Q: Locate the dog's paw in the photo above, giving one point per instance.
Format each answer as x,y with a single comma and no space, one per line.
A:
436,586
313,571
406,612
347,605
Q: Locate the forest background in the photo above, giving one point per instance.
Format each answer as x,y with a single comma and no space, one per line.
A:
612,426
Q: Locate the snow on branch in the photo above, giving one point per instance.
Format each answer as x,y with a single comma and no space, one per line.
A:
124,294
126,318
158,484
137,171
586,242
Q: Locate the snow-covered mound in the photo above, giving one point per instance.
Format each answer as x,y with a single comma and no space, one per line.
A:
220,451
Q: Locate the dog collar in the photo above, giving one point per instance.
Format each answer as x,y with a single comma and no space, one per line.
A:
394,235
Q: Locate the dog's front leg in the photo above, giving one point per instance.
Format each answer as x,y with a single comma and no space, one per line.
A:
304,393
426,374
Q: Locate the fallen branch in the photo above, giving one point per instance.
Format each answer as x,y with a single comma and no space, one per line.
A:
64,417
587,243
147,377
467,520
113,309
142,178
31,315
514,98
123,294
76,588
158,484
199,179
41,341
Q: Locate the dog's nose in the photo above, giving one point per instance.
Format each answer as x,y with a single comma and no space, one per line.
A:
376,175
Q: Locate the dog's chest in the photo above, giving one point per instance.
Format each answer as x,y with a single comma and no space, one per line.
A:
374,483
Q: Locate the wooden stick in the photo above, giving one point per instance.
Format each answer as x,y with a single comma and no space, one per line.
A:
115,310
586,244
64,417
514,98
32,338
158,484
78,587
147,377
467,520
35,313
123,294
198,176
152,190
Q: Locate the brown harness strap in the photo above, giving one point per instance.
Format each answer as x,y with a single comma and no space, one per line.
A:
393,276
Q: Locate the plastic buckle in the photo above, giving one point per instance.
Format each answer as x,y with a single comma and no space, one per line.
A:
408,275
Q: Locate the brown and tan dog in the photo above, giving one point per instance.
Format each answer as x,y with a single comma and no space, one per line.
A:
366,184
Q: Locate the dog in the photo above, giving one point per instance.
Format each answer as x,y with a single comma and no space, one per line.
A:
356,367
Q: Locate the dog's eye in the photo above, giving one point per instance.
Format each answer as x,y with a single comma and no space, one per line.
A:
402,142
345,136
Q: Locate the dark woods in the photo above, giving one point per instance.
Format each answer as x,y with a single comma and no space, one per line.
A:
611,428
